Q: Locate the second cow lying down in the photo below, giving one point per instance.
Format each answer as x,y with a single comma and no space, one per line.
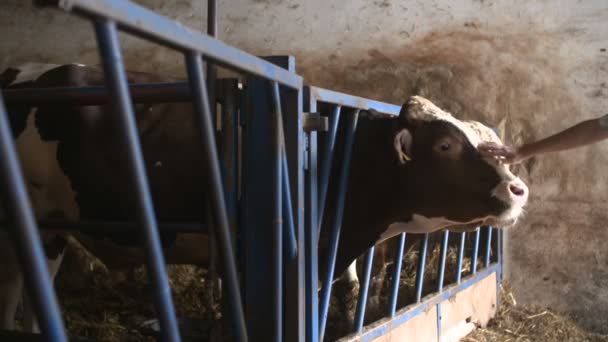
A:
419,172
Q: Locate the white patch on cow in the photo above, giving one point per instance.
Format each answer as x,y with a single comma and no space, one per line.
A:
420,224
351,272
421,109
49,188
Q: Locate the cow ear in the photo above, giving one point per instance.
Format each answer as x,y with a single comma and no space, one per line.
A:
402,144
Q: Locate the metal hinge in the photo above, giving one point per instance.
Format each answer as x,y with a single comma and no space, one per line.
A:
315,122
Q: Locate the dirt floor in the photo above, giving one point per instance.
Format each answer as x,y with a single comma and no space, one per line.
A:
106,306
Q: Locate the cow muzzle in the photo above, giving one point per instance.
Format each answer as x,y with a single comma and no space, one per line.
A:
514,194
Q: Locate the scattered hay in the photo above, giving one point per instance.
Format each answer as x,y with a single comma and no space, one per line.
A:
102,305
523,323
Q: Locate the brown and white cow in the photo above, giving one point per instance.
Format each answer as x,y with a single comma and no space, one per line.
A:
418,172
421,172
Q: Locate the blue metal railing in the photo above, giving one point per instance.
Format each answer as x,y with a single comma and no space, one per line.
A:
109,47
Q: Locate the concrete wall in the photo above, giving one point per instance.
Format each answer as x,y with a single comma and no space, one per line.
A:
533,66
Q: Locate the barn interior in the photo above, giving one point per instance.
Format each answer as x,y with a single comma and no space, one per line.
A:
529,68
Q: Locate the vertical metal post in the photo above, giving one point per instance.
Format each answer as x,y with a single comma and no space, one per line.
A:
421,266
289,237
328,155
475,251
499,242
488,246
364,289
228,146
277,150
211,91
463,238
337,224
109,48
194,66
293,239
311,230
392,302
26,236
443,253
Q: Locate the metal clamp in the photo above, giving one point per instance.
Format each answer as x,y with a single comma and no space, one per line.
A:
315,122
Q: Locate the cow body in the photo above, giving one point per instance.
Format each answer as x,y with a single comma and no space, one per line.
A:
75,160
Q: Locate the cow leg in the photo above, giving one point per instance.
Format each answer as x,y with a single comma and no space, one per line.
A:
346,293
377,300
11,283
55,252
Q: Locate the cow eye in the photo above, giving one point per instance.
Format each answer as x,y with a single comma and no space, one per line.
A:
444,146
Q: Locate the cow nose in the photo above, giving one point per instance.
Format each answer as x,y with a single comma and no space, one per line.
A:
517,190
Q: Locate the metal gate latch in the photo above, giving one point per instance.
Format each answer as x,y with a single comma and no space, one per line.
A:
315,122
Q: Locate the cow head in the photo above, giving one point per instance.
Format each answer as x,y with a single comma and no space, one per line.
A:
449,183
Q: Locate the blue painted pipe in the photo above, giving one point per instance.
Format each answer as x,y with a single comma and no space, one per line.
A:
28,245
328,155
194,65
392,302
475,252
421,266
337,224
311,242
277,257
289,236
109,47
364,289
443,253
488,246
463,238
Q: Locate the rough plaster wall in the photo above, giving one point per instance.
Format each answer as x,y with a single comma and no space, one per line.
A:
536,66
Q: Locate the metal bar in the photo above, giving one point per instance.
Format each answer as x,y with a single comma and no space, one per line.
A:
112,226
346,100
421,266
364,288
228,146
278,214
99,95
488,246
392,302
211,94
475,252
499,264
311,230
290,244
294,287
463,238
145,23
328,154
408,313
443,252
194,66
212,18
107,37
337,224
26,236
438,306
